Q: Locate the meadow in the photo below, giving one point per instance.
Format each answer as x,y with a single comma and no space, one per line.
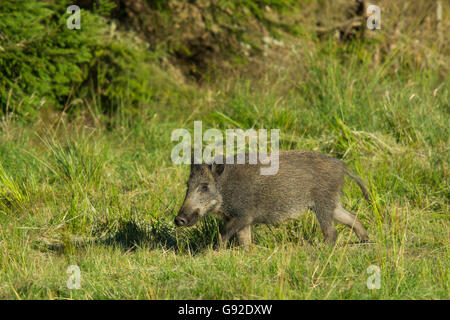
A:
97,189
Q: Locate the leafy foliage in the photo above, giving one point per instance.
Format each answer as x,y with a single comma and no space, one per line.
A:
44,63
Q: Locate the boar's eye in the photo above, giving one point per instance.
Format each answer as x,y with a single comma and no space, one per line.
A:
204,187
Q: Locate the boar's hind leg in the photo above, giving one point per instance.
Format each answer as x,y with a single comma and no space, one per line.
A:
232,226
324,214
343,216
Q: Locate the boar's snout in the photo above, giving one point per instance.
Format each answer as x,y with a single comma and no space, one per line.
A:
186,220
180,221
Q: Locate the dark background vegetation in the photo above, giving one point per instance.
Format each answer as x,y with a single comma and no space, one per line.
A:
113,57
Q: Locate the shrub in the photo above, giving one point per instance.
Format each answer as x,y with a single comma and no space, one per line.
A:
45,64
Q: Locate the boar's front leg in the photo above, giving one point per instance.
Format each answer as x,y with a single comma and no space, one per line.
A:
245,236
237,225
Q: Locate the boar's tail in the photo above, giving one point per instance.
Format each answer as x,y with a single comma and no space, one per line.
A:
360,184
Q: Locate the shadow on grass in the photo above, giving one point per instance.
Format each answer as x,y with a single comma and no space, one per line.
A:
132,234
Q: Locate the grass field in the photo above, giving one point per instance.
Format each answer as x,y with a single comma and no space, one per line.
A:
101,192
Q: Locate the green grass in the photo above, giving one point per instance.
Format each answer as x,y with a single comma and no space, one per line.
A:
101,192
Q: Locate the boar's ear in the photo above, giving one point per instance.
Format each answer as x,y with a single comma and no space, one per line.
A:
217,169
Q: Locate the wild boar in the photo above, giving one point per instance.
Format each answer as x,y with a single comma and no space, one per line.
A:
243,197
